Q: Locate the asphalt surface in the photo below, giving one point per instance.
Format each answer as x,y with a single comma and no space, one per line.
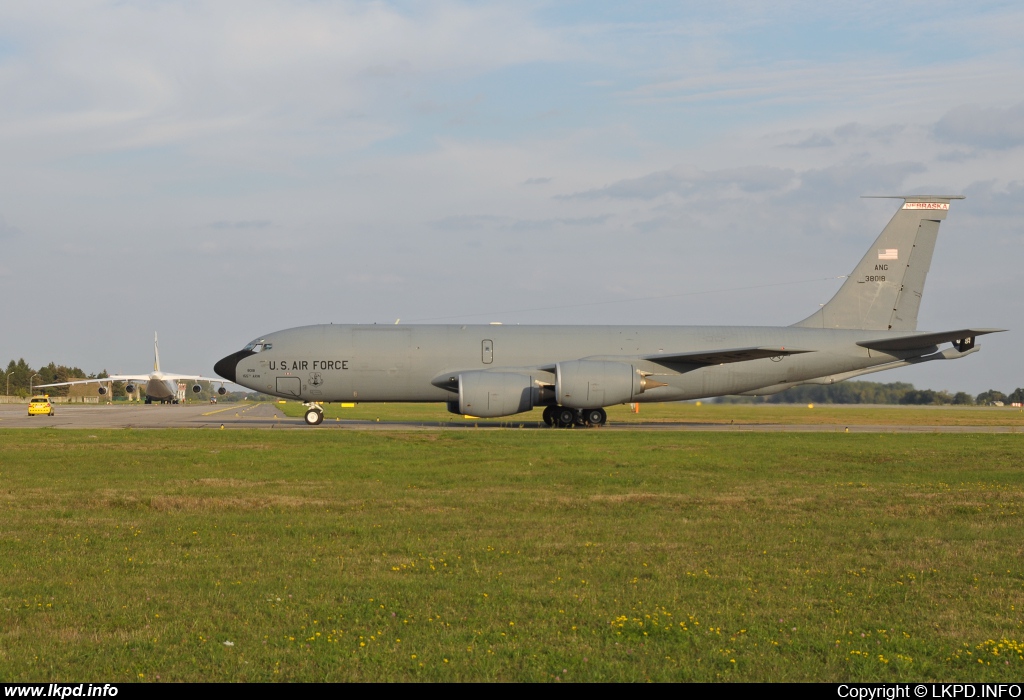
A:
267,416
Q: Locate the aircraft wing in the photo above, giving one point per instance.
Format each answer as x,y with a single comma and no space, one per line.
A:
111,378
192,378
721,357
917,341
700,357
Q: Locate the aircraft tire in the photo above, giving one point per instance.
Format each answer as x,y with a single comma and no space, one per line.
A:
595,417
314,417
549,415
565,417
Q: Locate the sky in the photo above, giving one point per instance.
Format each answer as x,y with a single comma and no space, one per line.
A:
215,171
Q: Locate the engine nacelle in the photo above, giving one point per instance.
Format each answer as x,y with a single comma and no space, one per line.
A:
595,383
493,394
222,391
129,388
102,390
196,388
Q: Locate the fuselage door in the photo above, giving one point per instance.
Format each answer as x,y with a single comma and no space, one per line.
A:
289,386
487,352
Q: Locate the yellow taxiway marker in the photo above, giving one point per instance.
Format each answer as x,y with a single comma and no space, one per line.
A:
220,410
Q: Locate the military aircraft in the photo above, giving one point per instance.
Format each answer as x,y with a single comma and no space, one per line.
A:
160,387
574,372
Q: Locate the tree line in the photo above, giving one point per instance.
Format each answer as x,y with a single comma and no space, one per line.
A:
19,377
878,393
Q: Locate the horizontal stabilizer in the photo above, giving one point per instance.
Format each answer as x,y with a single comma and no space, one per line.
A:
721,357
925,340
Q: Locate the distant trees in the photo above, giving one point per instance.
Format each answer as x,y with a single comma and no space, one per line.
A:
991,396
962,398
19,377
877,393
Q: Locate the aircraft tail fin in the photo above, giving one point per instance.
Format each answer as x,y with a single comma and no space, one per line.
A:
884,291
156,354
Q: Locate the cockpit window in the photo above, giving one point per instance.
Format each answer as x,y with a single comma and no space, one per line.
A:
258,345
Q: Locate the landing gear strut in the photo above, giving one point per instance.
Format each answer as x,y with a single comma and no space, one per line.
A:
315,414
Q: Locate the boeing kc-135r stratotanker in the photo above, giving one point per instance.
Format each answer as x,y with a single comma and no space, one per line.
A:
870,325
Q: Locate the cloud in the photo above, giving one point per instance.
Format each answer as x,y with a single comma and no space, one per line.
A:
684,181
508,223
854,179
813,141
105,76
7,231
981,127
855,130
1004,202
852,133
538,181
258,223
470,222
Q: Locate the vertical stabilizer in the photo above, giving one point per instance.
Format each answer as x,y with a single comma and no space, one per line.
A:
156,354
884,291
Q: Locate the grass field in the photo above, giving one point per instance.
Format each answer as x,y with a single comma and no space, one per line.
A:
578,555
779,414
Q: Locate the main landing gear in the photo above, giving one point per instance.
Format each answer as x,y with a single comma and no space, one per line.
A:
562,417
314,414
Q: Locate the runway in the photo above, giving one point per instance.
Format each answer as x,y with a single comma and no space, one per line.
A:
266,416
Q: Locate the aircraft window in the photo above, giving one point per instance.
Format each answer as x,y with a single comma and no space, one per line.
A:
268,346
257,345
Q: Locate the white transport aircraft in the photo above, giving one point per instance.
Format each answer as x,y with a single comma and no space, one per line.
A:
160,387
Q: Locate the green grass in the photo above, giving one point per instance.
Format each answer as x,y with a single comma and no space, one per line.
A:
513,555
691,413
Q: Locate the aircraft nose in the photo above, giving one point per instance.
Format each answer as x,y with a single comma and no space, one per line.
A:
226,366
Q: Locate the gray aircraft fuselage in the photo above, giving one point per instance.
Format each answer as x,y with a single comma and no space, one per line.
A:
399,363
495,370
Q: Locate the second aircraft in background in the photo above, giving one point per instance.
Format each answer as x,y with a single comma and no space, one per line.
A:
159,386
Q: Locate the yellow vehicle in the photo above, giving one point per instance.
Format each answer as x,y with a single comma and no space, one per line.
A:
40,406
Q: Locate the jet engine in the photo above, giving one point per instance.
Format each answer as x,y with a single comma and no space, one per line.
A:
102,390
196,388
594,383
493,394
129,388
222,391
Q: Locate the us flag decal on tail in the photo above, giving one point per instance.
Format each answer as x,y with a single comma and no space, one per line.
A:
889,254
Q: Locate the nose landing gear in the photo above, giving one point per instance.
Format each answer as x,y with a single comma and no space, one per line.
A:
314,414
